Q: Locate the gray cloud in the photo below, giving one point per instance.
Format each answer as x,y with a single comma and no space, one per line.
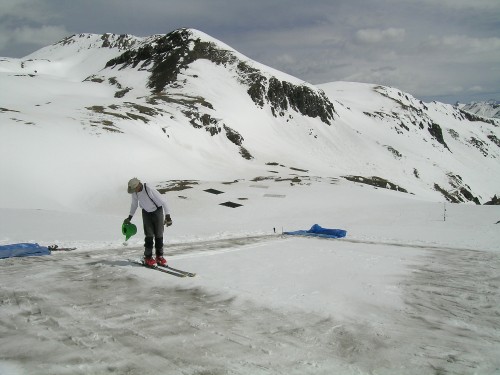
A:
448,49
380,36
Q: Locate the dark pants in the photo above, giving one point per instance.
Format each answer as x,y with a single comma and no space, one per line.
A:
153,230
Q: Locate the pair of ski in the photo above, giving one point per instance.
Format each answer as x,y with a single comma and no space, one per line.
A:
165,269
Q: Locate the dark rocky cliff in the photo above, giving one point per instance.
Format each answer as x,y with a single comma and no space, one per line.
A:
166,56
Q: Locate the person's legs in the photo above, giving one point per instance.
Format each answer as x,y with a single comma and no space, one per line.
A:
159,246
158,231
149,233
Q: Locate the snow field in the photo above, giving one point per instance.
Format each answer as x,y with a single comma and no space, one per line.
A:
404,293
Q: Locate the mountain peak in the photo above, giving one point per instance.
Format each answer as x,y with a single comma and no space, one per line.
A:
166,56
106,40
85,42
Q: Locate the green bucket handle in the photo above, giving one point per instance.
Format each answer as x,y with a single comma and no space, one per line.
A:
128,230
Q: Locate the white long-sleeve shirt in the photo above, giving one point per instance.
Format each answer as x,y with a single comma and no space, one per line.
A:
146,202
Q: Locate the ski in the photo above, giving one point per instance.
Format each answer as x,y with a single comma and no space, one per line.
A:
186,273
156,268
57,248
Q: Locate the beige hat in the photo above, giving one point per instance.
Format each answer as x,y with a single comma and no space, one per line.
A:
132,185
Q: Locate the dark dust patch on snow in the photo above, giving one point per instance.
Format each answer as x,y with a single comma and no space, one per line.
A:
213,191
231,204
71,316
453,301
8,110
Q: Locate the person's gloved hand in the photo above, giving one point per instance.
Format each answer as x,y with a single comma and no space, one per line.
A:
127,220
168,220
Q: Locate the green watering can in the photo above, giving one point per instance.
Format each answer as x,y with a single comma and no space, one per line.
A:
128,230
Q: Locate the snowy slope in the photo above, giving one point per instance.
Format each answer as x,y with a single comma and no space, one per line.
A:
217,115
420,144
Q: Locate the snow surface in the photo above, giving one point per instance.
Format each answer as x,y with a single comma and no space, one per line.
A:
405,293
412,289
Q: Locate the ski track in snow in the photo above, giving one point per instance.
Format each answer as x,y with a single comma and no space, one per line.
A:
81,320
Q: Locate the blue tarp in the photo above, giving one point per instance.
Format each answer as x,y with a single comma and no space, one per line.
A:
23,250
318,231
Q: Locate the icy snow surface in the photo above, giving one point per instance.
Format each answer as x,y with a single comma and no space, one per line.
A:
405,293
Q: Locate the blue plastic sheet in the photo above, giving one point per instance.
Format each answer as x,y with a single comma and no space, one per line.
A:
23,250
318,231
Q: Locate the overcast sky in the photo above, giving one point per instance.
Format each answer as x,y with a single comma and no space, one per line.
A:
445,50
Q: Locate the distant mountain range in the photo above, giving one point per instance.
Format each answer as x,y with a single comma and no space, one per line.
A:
187,106
488,109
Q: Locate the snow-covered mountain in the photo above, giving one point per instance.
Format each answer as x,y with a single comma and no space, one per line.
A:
488,109
185,106
194,117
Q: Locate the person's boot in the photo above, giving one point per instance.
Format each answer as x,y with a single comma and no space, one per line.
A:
161,260
149,261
